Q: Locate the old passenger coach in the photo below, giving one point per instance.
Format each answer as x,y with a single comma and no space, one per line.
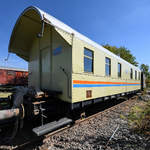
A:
61,59
66,72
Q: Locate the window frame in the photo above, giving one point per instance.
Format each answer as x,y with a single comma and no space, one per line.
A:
109,65
119,67
91,58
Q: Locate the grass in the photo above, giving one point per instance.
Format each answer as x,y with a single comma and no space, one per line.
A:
139,118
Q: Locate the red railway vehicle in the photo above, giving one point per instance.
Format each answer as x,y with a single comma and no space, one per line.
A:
13,76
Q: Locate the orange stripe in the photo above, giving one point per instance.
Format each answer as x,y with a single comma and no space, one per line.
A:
99,82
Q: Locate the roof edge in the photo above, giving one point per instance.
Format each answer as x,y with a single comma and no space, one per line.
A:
13,69
59,24
25,10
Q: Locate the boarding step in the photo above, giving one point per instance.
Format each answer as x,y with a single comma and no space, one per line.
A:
49,127
51,93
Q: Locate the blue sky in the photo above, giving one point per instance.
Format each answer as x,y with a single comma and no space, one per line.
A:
116,22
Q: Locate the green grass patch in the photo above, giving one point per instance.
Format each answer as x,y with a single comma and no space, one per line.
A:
139,118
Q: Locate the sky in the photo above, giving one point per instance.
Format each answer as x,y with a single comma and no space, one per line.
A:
115,22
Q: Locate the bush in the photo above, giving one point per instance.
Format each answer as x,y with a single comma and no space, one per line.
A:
147,81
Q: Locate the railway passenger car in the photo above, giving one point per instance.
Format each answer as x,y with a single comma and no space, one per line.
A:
68,65
61,59
13,76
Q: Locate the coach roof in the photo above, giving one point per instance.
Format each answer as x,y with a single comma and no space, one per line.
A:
56,23
13,69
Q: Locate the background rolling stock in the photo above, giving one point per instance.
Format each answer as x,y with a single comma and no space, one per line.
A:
13,76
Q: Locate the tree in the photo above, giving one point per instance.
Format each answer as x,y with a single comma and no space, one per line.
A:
145,69
122,52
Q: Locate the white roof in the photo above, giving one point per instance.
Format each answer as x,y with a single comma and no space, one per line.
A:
57,23
14,69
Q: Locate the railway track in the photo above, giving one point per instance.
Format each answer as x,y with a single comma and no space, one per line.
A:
44,138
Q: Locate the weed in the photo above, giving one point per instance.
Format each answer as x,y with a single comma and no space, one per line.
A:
139,118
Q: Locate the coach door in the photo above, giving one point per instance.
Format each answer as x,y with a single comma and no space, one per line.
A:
45,68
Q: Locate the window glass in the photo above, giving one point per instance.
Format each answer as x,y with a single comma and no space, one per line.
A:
88,52
119,70
107,66
135,75
88,60
131,74
10,72
139,76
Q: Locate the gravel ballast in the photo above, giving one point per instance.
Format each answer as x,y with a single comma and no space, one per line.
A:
96,132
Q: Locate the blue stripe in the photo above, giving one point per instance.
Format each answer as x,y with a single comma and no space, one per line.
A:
101,85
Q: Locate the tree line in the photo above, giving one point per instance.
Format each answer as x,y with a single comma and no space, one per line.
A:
126,54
